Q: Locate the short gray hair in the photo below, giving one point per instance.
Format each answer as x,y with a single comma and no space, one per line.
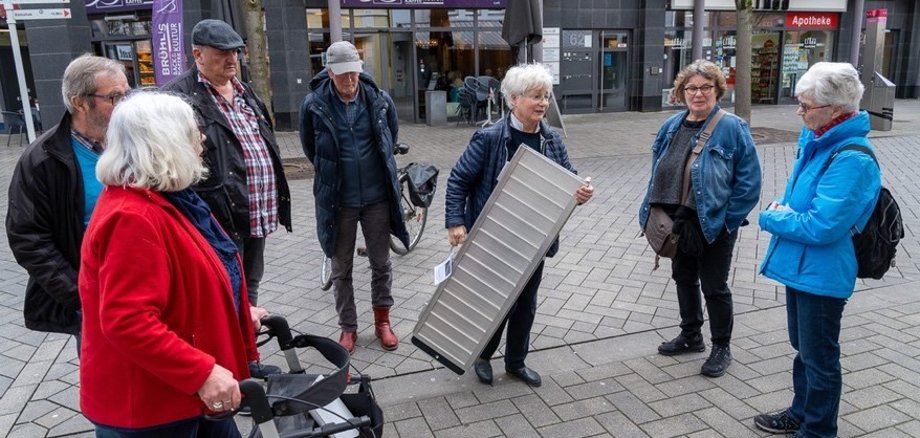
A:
80,76
152,143
523,77
832,83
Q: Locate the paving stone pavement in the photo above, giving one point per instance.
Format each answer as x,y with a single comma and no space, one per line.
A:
602,312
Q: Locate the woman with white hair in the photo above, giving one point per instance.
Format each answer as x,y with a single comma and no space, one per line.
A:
527,90
167,332
830,194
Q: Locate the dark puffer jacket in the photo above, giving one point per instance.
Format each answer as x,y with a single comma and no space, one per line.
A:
225,188
320,144
44,225
475,176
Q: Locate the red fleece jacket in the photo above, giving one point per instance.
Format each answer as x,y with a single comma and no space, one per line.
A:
158,313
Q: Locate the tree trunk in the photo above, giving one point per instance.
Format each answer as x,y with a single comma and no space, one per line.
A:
743,60
258,51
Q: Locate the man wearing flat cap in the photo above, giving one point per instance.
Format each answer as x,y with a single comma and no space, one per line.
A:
245,186
348,129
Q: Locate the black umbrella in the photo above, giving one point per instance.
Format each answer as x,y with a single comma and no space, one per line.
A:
523,23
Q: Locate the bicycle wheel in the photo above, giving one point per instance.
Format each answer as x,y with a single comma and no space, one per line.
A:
415,217
325,276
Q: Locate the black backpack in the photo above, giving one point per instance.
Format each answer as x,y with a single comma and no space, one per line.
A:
877,244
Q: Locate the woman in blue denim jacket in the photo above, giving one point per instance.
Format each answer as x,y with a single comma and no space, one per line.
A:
724,187
811,251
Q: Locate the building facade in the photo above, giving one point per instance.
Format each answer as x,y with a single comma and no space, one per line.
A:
606,55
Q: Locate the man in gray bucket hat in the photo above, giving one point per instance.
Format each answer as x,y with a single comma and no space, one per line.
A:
348,129
245,187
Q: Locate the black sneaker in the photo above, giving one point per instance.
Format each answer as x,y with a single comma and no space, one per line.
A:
719,360
777,422
682,344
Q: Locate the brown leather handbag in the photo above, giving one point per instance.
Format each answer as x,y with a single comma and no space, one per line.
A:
659,226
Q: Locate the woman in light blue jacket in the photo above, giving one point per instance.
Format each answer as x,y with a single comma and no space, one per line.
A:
811,251
724,187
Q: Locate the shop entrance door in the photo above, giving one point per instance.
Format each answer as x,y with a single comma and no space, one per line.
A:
801,50
612,79
765,67
386,58
593,71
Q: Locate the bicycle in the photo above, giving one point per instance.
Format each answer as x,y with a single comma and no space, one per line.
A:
416,217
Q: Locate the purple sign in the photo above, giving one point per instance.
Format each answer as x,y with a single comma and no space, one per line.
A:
103,6
423,4
168,44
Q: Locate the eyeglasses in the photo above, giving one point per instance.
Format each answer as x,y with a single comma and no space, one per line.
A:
539,97
706,89
113,97
805,108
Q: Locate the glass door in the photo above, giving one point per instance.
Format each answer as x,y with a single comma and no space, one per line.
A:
801,50
764,67
612,79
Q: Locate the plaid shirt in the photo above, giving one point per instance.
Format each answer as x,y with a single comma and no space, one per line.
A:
84,141
260,176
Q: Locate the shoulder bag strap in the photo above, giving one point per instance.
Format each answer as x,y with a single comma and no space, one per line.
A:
700,144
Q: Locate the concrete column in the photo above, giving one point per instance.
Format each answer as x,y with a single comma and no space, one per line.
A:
858,17
335,20
698,24
52,45
287,48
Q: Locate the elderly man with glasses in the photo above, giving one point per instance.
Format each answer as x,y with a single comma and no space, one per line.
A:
54,190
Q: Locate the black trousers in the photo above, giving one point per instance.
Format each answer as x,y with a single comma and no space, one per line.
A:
519,322
252,251
708,272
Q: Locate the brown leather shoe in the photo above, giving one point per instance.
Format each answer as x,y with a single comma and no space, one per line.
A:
347,340
388,339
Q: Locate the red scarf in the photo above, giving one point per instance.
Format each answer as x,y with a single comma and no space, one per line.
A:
837,120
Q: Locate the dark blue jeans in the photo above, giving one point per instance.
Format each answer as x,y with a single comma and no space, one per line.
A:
191,428
814,331
519,322
708,272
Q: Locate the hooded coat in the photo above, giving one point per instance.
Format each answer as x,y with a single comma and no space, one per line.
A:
321,146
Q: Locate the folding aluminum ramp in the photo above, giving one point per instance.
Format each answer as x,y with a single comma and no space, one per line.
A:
533,200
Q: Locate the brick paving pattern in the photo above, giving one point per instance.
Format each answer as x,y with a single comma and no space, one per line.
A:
602,312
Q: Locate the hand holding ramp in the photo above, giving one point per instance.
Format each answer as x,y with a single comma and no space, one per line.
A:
531,203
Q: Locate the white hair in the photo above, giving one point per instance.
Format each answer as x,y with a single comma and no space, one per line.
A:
523,77
832,83
152,143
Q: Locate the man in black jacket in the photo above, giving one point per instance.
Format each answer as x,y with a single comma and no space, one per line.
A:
245,188
53,192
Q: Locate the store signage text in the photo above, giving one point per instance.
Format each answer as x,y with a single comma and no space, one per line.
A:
812,20
785,5
103,6
423,3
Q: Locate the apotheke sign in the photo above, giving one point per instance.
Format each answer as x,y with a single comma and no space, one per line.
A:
811,20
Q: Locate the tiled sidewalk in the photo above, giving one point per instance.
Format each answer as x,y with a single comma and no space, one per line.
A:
601,311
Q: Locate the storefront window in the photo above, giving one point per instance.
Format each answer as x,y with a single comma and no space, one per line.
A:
494,54
678,53
381,18
444,18
371,18
800,51
318,18
764,66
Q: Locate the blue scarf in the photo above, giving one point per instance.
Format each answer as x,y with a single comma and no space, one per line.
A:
196,210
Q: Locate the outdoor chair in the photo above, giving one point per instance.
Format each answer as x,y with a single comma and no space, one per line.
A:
14,122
